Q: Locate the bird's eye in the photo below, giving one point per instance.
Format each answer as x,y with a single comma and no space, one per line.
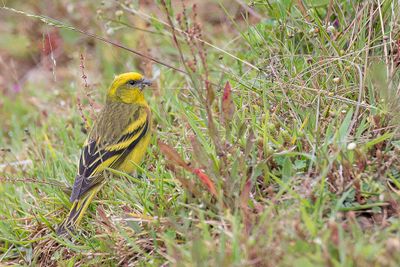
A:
132,82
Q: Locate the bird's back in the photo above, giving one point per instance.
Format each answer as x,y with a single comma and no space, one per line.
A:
114,119
128,135
114,142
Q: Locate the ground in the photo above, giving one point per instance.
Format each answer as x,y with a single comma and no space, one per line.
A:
275,132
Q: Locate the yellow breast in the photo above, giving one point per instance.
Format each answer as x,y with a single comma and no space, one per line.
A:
136,155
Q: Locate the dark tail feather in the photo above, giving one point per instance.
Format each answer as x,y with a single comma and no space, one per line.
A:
76,213
69,224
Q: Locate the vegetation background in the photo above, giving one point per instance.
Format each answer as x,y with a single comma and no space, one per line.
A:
275,141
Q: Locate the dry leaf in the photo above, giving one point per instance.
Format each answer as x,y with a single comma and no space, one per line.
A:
205,180
172,155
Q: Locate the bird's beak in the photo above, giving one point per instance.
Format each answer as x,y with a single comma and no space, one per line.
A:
144,83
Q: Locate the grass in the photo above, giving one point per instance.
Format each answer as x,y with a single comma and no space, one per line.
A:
275,144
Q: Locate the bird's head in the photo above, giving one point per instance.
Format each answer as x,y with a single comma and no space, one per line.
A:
127,88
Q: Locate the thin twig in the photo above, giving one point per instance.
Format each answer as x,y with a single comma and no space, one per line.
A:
59,24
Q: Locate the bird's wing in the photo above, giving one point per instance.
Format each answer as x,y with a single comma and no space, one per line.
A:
96,157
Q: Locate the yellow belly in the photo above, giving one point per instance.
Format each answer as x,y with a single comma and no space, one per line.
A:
136,156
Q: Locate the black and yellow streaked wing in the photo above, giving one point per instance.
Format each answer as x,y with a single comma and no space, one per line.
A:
95,159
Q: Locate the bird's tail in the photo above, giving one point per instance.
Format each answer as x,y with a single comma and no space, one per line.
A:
75,215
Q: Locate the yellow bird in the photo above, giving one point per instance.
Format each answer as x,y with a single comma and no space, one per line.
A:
118,140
